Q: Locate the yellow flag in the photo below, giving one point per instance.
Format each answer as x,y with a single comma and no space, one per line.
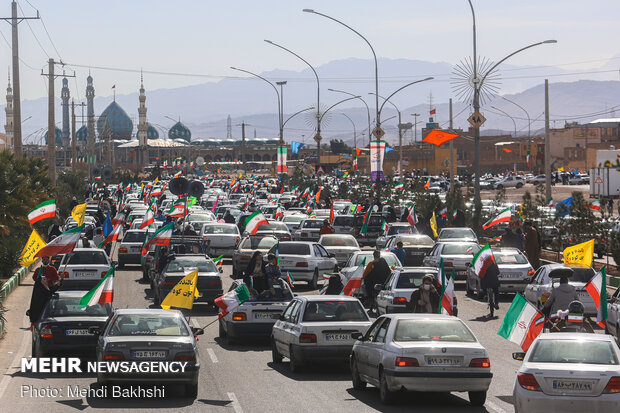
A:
183,293
34,244
156,180
580,254
78,213
433,222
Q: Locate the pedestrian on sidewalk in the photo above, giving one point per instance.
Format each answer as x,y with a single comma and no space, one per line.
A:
532,246
46,281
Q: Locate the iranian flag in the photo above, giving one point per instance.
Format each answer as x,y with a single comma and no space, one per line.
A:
149,218
44,210
454,214
483,260
365,223
596,205
447,292
444,213
597,288
355,281
306,192
161,237
550,203
412,218
331,213
62,244
232,299
522,323
253,221
279,213
504,216
178,210
384,226
113,236
102,293
219,260
399,186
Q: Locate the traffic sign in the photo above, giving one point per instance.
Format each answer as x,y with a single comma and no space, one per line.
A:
598,180
320,170
378,132
476,119
318,138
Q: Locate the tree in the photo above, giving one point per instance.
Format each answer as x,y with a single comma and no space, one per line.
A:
68,185
577,224
337,146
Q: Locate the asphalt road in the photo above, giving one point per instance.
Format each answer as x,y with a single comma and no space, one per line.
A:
242,378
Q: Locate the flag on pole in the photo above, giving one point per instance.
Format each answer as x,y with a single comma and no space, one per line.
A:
183,293
550,203
33,245
253,221
433,222
107,226
447,292
377,151
78,213
219,260
62,244
581,254
282,169
365,222
232,299
279,212
384,226
101,294
522,323
161,237
214,207
399,186
503,216
356,280
412,218
149,218
596,205
483,260
44,210
444,213
113,236
305,193
597,288
289,279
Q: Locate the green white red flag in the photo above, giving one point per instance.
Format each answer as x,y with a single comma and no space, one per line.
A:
522,323
102,293
596,205
62,244
447,292
149,218
355,282
365,223
253,221
42,211
232,299
412,218
597,288
112,236
504,216
483,260
161,237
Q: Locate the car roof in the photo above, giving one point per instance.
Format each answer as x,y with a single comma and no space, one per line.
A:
575,336
505,250
337,236
147,311
326,298
421,316
419,269
88,249
556,265
298,242
135,230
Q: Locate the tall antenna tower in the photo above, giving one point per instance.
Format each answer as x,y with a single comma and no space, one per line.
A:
228,128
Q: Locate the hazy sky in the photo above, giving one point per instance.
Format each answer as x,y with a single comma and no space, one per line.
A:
206,37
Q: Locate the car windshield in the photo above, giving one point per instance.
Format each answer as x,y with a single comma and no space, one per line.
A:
455,233
220,229
334,311
460,249
343,221
293,248
148,325
338,241
134,236
312,224
400,230
573,351
411,279
433,330
87,258
509,258
69,307
184,264
410,241
254,243
199,217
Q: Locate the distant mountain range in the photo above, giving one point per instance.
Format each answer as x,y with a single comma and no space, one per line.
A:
204,107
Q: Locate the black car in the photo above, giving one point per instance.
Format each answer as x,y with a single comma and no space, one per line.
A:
179,245
373,231
64,326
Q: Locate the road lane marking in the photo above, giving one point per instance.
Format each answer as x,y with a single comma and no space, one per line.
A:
494,407
4,383
235,403
212,355
194,323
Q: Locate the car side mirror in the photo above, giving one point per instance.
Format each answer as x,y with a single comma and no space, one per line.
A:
94,331
357,336
197,331
518,355
378,287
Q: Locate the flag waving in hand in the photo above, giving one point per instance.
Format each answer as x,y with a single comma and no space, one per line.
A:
44,210
102,293
232,299
597,288
522,323
183,293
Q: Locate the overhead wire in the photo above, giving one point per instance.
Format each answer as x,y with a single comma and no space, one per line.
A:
33,33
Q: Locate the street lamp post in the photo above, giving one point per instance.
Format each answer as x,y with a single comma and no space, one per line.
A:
529,124
281,120
354,130
415,127
511,118
365,104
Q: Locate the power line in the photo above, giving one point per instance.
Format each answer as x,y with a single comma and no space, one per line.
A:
35,36
20,59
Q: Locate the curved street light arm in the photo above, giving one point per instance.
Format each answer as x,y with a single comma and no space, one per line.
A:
336,104
363,101
529,122
509,56
511,118
272,85
295,114
473,16
395,92
388,101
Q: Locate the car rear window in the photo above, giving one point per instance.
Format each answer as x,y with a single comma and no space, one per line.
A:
343,221
180,265
293,218
334,311
433,330
87,257
134,237
411,241
253,243
460,249
69,307
411,279
294,248
147,325
338,241
273,226
509,258
312,224
375,220
220,229
582,275
400,230
452,233
574,352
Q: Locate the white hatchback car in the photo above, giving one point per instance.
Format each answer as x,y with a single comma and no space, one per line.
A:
318,328
562,372
421,352
83,268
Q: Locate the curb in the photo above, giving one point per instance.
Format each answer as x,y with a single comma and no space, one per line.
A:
9,286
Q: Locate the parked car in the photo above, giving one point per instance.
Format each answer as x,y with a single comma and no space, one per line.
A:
246,248
579,179
305,261
510,181
144,335
421,352
83,268
318,328
538,180
457,256
515,272
221,239
416,247
129,250
342,246
570,372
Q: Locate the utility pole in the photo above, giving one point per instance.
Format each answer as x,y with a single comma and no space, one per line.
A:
451,150
415,127
243,125
73,138
51,122
547,144
17,111
586,149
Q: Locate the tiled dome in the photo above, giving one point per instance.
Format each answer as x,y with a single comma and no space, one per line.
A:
57,137
117,120
152,133
180,131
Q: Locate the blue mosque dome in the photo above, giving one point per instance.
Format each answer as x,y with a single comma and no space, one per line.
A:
180,131
82,134
151,132
57,137
117,121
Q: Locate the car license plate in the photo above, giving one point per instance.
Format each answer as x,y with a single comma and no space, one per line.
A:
266,316
582,294
84,273
77,332
443,361
149,354
337,337
508,276
573,385
136,248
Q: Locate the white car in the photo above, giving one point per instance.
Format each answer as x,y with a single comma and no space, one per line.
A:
309,230
318,328
83,268
568,372
510,181
305,261
396,292
221,239
343,246
421,352
292,221
612,326
366,256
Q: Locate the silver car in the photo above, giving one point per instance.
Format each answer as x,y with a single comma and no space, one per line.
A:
515,272
421,352
343,246
612,326
305,261
342,223
309,230
129,250
221,239
568,372
457,256
246,248
396,292
292,221
366,256
394,228
457,235
149,335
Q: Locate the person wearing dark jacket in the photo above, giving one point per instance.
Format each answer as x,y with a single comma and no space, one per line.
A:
228,217
491,280
254,275
46,282
334,285
425,299
376,272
